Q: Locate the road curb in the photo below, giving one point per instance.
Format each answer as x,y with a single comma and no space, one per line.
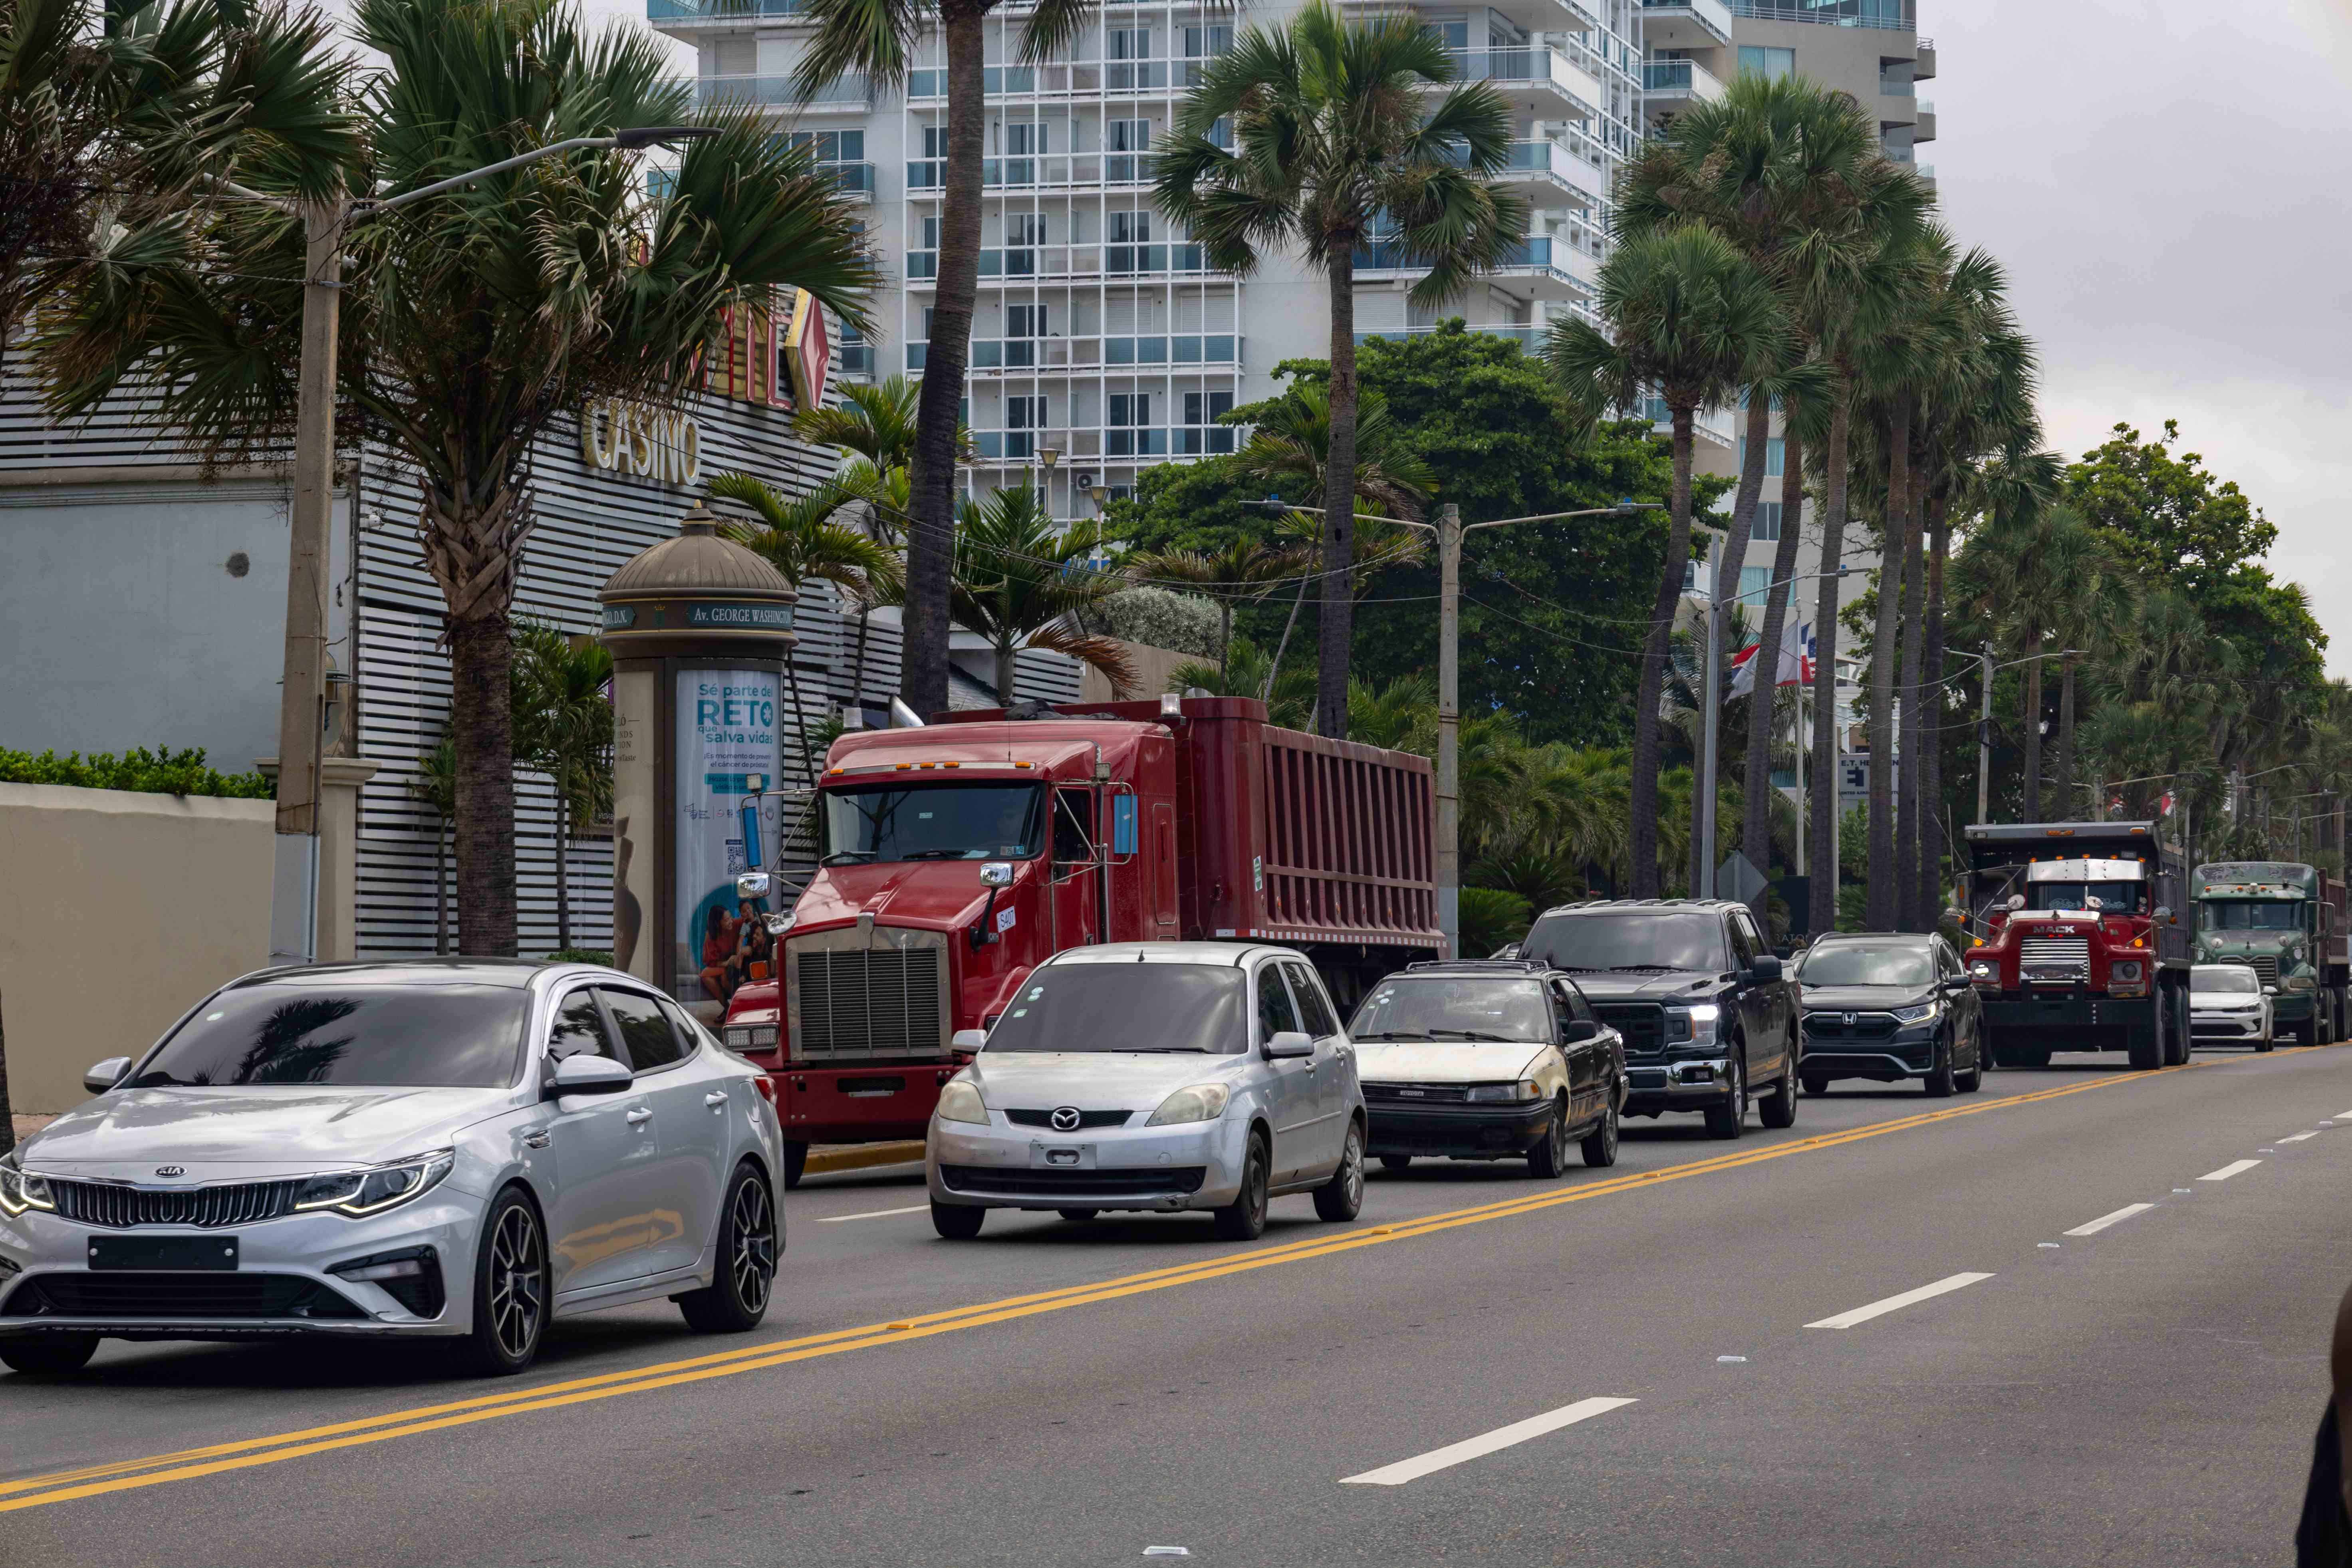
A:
861,1157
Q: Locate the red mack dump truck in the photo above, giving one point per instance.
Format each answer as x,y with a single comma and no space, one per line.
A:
2080,941
954,857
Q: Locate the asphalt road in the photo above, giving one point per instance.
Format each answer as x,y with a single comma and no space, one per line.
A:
1686,1360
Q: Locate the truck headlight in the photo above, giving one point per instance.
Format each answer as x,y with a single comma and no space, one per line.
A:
1983,973
1918,1014
960,1101
1694,1024
21,1190
1197,1102
750,1037
2127,972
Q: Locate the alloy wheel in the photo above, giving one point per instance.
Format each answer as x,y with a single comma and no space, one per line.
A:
518,1270
1352,1164
753,1267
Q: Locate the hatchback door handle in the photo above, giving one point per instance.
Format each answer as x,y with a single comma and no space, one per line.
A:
715,1099
640,1114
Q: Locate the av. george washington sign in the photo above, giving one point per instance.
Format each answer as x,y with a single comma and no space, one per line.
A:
663,444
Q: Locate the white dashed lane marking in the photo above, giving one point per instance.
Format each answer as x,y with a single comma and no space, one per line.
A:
1470,1448
2105,1220
1896,1303
2234,1168
872,1213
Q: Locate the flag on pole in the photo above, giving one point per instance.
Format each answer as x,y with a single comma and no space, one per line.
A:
1796,660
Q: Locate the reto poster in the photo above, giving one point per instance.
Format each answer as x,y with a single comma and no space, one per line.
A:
729,746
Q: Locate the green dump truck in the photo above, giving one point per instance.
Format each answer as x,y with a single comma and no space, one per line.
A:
2285,922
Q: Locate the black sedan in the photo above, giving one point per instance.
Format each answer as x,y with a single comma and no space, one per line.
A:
1889,1006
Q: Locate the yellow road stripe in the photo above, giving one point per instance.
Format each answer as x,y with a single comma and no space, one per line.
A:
194,1463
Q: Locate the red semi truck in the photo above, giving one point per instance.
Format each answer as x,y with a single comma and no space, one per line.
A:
953,858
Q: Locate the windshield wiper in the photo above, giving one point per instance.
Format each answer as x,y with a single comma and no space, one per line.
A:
1163,1050
1642,968
936,854
839,856
1480,1036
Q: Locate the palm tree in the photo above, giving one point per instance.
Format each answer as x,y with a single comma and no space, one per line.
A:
1335,148
436,788
563,728
1690,315
799,538
1248,672
876,422
2094,602
1021,579
475,320
1247,568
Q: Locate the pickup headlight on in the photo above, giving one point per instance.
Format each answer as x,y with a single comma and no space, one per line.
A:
1525,1090
960,1101
1694,1024
361,1193
21,1190
1920,1014
1197,1102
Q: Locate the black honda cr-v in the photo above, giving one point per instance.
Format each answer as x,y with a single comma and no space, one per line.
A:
1707,1018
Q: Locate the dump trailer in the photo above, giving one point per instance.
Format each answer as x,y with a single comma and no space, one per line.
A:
954,857
2285,921
2079,941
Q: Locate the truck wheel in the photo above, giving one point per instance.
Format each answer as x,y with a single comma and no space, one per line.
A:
1244,1219
50,1354
1601,1143
956,1222
795,1161
1939,1082
2147,1050
1778,1109
1339,1199
1549,1158
1730,1119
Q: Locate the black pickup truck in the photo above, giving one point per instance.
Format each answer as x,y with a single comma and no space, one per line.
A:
1708,1019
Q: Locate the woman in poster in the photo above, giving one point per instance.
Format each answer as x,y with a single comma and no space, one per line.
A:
719,972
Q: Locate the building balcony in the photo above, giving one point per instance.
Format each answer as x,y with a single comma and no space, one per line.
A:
1924,128
1899,16
1093,356
1063,80
1543,171
1020,448
1686,24
1023,266
1536,16
1058,171
1537,268
1709,426
1544,82
720,12
1671,86
1923,59
852,93
854,359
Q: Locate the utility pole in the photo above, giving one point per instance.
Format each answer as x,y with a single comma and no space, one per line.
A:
1984,743
1712,699
303,694
1449,724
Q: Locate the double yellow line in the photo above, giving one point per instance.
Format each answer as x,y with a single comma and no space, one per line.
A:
192,1464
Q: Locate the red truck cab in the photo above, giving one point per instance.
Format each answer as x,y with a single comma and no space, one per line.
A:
953,858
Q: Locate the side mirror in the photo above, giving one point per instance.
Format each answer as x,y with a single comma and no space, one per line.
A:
1289,1043
103,1076
996,874
2164,913
1766,967
754,885
1955,983
968,1039
585,1074
1580,1030
2269,990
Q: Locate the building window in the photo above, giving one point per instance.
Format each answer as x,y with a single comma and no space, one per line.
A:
1203,409
1023,417
1025,321
930,242
935,140
1895,79
1130,135
1202,42
1027,138
1753,581
1776,457
1130,408
1770,64
1766,530
1131,228
1130,43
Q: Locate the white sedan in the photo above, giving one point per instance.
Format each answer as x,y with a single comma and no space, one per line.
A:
2228,1004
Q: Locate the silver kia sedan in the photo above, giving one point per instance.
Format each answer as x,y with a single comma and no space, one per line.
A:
452,1149
1156,1075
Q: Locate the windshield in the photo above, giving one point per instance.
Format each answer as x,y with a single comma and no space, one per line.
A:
2115,897
1615,941
2250,914
1857,963
388,1037
2227,978
1435,1009
1128,1007
932,822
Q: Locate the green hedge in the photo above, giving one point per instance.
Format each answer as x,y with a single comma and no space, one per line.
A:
150,772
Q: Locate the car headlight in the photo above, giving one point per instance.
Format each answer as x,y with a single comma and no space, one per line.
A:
750,1037
1526,1089
1199,1102
21,1190
961,1101
1918,1014
373,1191
1694,1024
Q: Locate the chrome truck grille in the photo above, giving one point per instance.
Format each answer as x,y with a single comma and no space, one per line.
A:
2064,960
851,998
2266,967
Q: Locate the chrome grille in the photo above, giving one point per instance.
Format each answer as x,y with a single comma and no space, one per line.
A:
120,1208
2053,958
867,1002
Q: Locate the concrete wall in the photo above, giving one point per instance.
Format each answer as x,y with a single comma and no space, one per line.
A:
118,911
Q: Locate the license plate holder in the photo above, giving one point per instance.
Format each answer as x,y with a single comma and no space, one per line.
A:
210,1253
1061,1157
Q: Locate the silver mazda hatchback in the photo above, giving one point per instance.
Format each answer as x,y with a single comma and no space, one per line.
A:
453,1149
1158,1075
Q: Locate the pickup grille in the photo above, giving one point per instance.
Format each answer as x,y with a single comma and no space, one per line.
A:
2053,958
864,1002
1416,1093
1643,1025
118,1208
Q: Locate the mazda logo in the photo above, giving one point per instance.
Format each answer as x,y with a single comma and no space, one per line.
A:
1065,1119
170,1170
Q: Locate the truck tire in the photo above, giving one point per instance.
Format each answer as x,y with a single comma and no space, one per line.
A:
795,1161
1777,1110
1938,1083
955,1222
2147,1048
1729,1119
1549,1158
1341,1198
1244,1219
2183,1046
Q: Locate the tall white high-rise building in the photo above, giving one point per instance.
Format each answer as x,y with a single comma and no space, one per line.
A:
1100,334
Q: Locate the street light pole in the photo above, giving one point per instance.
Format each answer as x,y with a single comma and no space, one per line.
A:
1984,742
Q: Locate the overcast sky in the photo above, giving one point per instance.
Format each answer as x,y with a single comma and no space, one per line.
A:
2165,181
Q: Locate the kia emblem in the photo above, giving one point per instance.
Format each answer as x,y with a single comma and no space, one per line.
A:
170,1170
1065,1118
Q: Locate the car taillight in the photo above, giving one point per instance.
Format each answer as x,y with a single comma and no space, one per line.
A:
767,1087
